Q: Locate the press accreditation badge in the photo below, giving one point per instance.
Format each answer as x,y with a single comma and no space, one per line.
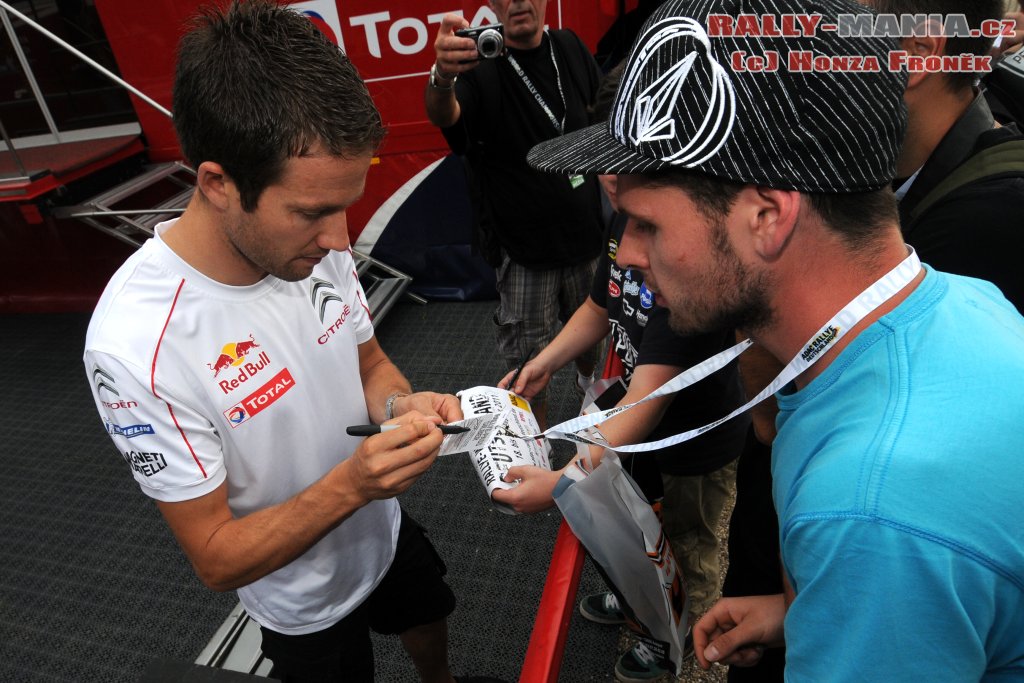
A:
576,180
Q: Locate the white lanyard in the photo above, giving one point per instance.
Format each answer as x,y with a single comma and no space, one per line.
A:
905,187
831,332
559,125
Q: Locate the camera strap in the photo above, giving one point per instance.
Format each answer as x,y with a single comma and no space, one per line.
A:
559,125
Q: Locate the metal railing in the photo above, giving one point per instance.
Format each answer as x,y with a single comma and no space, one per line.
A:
58,136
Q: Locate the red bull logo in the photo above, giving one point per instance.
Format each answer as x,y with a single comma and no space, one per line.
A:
236,355
232,355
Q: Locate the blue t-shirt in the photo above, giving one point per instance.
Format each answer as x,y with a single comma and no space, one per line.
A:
899,483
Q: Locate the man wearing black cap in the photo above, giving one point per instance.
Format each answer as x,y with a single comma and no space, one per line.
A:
761,199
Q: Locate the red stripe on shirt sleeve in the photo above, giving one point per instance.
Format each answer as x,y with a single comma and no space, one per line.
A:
359,289
152,379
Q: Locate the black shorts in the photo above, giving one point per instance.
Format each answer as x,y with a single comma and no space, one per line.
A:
412,593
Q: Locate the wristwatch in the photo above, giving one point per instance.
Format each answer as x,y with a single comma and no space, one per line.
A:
389,405
436,79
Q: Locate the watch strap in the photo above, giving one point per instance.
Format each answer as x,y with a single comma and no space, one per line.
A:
389,405
435,77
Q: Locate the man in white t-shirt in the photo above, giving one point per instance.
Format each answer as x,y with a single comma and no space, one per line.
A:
229,354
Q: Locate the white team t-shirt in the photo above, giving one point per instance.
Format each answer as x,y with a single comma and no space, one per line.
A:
199,383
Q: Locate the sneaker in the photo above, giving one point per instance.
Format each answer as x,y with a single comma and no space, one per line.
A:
638,665
479,679
583,383
602,608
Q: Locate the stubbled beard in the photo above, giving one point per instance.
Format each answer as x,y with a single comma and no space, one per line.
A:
747,307
260,253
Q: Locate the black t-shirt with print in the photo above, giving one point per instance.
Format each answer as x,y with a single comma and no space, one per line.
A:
641,336
542,220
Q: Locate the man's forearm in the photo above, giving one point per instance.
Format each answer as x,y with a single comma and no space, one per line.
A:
587,326
381,379
441,104
452,55
635,425
229,552
379,384
238,551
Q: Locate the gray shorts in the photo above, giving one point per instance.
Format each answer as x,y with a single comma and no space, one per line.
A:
533,305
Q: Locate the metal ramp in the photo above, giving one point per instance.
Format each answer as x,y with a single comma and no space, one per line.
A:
121,211
236,646
382,284
130,211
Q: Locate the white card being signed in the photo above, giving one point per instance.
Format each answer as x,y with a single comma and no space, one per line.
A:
481,430
492,442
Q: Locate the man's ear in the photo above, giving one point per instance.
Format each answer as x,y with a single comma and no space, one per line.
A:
930,43
216,185
771,218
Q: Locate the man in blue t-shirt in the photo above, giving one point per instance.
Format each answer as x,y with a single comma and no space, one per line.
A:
762,200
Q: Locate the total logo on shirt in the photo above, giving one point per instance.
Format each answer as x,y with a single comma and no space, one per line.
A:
261,399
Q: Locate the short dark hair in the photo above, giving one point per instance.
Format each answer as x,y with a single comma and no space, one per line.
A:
256,84
975,11
858,217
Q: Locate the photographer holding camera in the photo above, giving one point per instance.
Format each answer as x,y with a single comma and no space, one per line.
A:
541,233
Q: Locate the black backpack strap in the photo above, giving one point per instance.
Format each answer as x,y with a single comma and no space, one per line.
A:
1004,159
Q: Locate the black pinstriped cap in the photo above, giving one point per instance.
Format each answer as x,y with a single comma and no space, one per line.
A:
681,104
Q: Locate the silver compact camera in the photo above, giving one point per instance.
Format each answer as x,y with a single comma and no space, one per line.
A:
490,39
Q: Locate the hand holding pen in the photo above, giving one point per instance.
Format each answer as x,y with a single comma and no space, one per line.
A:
388,463
519,370
530,377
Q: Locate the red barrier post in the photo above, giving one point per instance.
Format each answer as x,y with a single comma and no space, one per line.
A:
551,627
